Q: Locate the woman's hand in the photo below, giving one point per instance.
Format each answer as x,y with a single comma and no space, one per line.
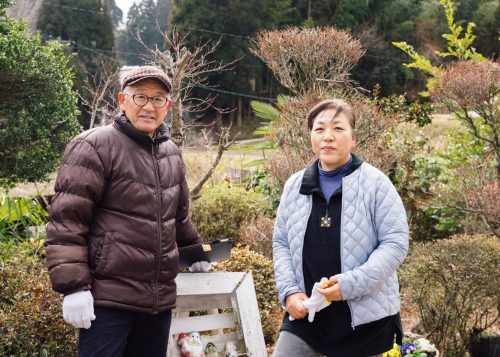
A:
294,305
332,292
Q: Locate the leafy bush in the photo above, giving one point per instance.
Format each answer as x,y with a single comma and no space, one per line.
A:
38,109
469,179
220,211
455,284
17,215
258,236
31,321
262,182
418,179
271,313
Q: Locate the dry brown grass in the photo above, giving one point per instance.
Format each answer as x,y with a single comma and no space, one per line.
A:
436,132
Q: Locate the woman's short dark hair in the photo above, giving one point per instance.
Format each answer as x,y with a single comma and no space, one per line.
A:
338,104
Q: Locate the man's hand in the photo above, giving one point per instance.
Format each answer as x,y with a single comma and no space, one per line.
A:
294,305
332,292
200,267
78,309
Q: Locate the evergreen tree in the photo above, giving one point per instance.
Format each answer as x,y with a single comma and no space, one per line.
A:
487,20
141,25
164,9
233,22
116,13
37,110
88,25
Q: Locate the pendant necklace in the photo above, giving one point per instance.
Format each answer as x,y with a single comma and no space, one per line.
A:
325,221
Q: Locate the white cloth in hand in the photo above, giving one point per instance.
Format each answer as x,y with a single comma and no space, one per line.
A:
78,309
200,267
316,302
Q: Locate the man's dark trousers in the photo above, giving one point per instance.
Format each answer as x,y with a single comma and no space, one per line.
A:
124,333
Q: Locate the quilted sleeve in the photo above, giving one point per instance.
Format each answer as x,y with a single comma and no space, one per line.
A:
185,230
79,186
286,281
391,227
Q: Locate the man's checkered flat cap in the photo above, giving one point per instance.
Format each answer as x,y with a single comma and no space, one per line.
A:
147,72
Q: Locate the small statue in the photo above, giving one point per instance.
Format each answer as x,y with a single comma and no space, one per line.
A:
211,350
191,345
181,337
231,349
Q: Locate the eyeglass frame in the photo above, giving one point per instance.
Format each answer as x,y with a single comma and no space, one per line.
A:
149,99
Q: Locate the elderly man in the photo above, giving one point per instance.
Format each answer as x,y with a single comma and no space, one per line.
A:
120,211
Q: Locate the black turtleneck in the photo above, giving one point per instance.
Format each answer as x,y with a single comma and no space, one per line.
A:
126,127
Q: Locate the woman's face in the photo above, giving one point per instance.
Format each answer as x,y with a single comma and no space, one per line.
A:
332,140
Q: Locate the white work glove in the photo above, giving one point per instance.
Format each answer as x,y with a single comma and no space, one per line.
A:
200,267
78,309
317,301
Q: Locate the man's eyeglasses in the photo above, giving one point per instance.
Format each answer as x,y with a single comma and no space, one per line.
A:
141,100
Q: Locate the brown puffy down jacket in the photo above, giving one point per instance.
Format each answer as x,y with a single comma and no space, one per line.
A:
120,211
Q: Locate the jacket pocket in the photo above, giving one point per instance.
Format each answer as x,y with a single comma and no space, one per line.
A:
102,253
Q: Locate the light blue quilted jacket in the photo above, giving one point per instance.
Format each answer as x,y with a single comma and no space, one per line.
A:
374,242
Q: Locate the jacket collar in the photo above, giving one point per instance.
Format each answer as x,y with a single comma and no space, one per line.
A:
125,126
310,180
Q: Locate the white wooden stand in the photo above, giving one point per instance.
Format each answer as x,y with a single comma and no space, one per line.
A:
219,290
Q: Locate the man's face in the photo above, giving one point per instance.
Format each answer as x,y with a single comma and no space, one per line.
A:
147,117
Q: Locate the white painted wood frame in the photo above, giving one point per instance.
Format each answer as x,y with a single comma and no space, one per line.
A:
232,292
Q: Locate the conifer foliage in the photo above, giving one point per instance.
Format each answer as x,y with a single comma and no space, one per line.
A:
37,105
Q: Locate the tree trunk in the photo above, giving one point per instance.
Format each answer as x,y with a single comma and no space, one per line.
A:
238,114
177,126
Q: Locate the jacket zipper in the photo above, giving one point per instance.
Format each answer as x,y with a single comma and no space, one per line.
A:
302,284
342,251
158,219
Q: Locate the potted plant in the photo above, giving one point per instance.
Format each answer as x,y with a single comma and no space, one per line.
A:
413,346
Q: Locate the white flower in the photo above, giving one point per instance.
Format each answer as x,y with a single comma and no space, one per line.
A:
424,345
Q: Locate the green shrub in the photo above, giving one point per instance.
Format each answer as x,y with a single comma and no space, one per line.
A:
262,182
271,313
220,211
455,284
18,214
31,322
38,108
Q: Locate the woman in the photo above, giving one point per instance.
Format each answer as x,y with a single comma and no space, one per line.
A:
342,219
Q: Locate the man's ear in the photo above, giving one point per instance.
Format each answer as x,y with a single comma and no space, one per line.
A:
169,104
121,100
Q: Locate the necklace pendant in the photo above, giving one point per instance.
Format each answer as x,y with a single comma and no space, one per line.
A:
325,222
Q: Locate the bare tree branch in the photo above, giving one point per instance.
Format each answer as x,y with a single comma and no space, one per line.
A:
223,145
98,98
189,68
313,60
